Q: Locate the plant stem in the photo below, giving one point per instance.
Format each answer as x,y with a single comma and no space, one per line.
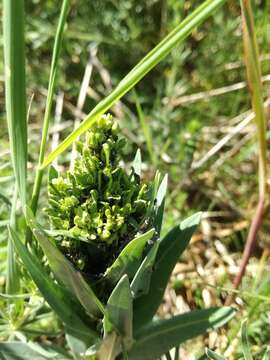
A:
256,90
251,242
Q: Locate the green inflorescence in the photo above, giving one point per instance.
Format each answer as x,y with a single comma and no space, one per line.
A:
97,205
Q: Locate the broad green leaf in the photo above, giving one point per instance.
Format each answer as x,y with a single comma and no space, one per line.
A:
14,59
22,351
160,204
59,300
119,309
245,344
137,163
170,248
180,33
64,271
213,356
141,282
158,337
129,259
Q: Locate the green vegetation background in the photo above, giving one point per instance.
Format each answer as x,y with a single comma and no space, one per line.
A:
123,31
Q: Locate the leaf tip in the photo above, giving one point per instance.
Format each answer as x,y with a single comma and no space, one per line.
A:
222,315
191,221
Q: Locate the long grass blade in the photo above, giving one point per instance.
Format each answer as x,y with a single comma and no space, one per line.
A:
180,33
14,57
245,344
13,283
213,356
49,101
256,91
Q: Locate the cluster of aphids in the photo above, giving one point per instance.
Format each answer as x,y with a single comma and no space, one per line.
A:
97,204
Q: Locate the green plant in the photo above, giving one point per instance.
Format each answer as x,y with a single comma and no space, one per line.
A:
107,254
97,205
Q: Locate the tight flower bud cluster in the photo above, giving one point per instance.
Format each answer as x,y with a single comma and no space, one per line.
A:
97,203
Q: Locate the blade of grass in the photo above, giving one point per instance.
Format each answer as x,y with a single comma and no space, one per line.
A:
255,85
245,344
49,101
213,356
256,89
14,58
180,33
13,283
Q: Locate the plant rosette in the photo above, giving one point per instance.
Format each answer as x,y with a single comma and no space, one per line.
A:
110,264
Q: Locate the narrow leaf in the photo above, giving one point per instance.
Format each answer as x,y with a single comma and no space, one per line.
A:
119,309
256,89
137,163
22,351
169,251
142,279
129,259
159,337
245,344
59,300
13,277
64,271
14,58
160,204
213,356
